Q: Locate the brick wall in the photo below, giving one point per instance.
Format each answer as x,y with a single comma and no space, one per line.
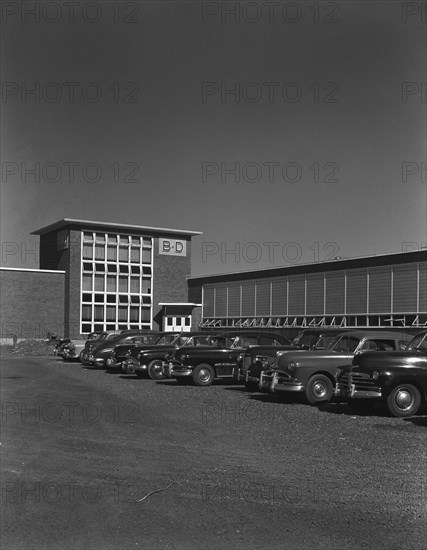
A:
73,288
68,260
32,303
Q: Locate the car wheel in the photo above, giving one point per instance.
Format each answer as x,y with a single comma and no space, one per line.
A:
81,357
155,370
319,389
403,400
203,375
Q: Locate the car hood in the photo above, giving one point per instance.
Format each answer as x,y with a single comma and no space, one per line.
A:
154,349
269,351
202,348
375,359
121,347
310,357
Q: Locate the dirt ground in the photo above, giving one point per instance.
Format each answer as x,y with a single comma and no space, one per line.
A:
97,460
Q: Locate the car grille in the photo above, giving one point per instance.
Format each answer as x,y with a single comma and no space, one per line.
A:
361,381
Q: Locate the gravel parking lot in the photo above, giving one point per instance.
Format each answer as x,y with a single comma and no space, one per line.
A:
97,460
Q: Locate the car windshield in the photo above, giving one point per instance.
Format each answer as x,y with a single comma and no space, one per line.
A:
167,339
243,341
303,339
196,340
148,339
325,341
418,342
345,344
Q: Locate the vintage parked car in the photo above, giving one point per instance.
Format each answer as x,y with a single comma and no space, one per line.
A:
148,362
312,372
203,365
399,379
149,341
73,350
257,359
104,336
99,355
60,345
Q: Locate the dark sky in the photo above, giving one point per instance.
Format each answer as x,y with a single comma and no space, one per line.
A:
327,125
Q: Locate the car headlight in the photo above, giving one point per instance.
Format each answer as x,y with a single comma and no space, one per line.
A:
292,365
375,375
240,357
338,372
184,357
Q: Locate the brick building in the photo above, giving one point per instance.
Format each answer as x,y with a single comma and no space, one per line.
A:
113,276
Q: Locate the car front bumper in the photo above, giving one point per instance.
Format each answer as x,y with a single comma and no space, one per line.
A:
112,363
175,370
98,361
239,375
131,365
279,383
352,392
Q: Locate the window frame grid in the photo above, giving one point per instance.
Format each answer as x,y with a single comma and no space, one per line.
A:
96,240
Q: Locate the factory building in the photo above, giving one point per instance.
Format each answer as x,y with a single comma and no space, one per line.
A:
377,291
112,276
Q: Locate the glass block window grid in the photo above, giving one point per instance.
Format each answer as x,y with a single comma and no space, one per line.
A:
116,283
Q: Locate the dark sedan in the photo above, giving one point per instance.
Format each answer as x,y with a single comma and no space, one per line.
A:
257,359
99,355
203,365
151,341
148,362
399,378
313,372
